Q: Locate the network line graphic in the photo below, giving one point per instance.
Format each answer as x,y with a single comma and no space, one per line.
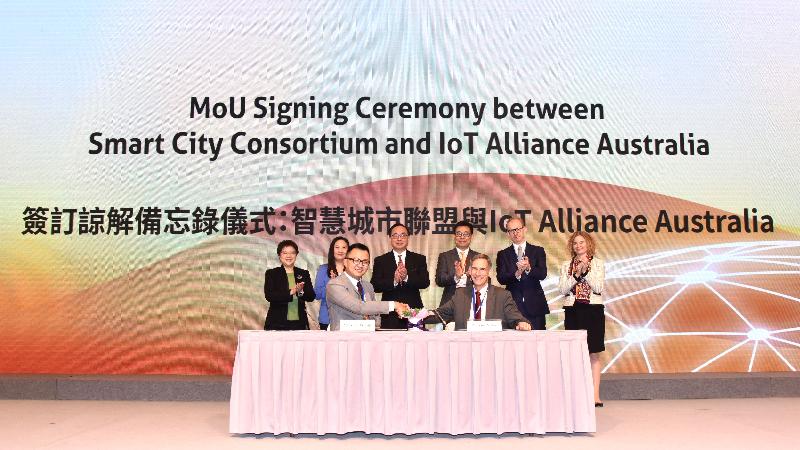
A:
728,298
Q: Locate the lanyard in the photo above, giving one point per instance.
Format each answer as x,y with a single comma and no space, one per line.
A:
483,302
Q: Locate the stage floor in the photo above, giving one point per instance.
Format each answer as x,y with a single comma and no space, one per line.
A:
755,423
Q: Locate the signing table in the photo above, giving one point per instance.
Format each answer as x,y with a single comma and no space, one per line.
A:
411,382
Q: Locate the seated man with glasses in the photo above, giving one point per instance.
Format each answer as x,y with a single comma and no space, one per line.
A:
480,301
521,267
352,298
399,275
452,267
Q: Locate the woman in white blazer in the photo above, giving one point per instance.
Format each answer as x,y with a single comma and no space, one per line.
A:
581,282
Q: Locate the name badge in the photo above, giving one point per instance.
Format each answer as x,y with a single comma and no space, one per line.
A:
484,325
357,325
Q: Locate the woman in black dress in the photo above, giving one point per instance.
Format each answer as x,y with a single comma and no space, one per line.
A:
581,282
287,288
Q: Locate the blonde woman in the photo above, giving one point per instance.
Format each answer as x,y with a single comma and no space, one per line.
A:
581,282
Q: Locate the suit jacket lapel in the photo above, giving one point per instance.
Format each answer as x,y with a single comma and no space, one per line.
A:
368,292
470,255
511,254
490,300
349,286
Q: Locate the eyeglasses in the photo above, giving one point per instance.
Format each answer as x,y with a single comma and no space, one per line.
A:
399,236
463,234
514,230
359,262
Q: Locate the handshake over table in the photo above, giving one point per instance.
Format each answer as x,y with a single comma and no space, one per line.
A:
401,308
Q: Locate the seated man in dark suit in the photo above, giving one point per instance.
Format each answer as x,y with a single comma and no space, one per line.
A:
521,267
452,267
399,275
481,301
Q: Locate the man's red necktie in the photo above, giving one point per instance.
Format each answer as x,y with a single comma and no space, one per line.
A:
477,313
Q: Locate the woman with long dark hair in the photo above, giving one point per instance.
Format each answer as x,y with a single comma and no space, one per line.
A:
326,272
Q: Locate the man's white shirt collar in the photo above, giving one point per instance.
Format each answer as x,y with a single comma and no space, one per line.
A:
354,281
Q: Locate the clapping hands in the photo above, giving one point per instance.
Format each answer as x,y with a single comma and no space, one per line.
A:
400,273
523,265
459,269
581,268
297,288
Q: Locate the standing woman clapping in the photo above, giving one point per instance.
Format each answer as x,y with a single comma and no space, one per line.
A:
287,288
581,282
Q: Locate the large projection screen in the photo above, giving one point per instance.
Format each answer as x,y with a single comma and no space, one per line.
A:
149,262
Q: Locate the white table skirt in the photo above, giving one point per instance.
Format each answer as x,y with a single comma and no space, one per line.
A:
412,382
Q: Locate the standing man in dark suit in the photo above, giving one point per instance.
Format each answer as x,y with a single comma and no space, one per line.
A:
480,301
399,275
521,268
452,267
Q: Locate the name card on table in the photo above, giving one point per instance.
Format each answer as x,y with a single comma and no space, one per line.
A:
357,325
484,325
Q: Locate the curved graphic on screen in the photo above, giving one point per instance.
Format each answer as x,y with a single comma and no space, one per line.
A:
677,302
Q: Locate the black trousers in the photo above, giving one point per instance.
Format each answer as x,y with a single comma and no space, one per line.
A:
537,322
